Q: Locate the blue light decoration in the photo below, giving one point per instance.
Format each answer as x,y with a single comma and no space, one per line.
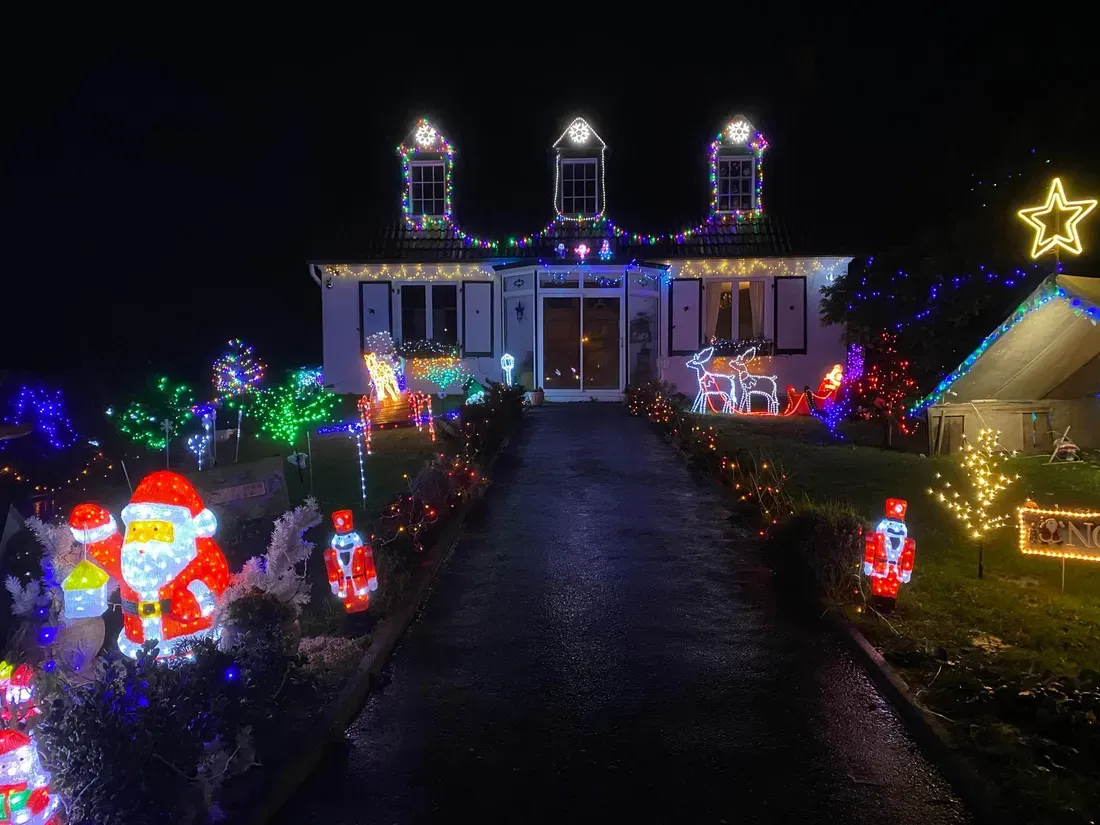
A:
346,427
605,250
842,401
1047,292
44,411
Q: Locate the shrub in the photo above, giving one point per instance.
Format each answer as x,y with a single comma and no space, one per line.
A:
823,543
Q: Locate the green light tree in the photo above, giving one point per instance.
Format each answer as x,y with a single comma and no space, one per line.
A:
287,411
150,422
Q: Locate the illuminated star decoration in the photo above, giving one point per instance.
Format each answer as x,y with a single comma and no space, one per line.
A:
1055,222
738,131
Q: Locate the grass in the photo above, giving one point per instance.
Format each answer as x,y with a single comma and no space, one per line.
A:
956,637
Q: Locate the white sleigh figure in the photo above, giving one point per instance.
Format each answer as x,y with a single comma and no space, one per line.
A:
751,384
711,383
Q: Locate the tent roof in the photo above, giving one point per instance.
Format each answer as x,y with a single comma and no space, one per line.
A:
1047,348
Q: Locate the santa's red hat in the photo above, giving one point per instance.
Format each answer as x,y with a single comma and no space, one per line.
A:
168,496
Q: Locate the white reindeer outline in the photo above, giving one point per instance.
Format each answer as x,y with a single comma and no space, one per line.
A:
747,382
709,383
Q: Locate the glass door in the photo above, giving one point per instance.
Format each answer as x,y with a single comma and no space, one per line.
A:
582,342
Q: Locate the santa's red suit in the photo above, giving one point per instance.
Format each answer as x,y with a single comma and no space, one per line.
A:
169,570
888,553
350,565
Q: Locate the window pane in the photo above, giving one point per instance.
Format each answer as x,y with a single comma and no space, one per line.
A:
600,344
414,316
445,314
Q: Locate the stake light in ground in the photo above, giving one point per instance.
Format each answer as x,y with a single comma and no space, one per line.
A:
507,363
982,466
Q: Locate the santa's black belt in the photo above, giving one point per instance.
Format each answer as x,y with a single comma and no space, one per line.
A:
146,610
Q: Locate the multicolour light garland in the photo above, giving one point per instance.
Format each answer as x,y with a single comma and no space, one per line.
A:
237,371
758,144
431,144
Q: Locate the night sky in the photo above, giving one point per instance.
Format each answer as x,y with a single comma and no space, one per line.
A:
158,203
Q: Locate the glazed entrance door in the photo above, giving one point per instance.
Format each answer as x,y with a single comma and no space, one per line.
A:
581,337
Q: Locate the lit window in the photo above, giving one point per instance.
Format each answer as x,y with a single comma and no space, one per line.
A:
578,187
428,195
735,184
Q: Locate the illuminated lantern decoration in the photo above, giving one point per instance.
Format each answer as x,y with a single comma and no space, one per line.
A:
85,590
382,377
889,554
170,571
24,784
507,363
350,565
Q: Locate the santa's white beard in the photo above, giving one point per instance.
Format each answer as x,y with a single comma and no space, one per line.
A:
147,566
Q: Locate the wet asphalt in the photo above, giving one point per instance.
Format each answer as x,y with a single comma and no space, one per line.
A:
604,646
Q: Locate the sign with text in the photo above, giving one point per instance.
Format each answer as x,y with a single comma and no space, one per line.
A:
1061,534
241,492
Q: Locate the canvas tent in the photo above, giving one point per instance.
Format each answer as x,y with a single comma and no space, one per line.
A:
1033,376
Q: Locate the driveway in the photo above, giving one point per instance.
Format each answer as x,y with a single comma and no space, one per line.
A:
603,646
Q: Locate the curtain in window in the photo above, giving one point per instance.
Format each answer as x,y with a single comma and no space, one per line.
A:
756,296
713,302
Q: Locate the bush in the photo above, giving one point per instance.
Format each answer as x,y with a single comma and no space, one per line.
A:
154,741
822,543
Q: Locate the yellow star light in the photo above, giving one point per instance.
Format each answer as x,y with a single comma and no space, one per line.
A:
1056,221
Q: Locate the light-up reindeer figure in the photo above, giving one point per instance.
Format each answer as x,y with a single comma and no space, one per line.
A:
383,377
752,384
710,383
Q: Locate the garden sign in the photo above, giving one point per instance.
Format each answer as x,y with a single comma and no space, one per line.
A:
1058,533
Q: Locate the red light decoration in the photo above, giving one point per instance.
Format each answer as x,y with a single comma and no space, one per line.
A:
889,554
885,384
169,569
350,565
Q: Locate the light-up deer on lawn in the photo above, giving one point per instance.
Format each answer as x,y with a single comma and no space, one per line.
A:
711,383
751,384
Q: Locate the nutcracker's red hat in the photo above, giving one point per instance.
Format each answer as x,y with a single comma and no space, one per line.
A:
342,521
895,508
171,497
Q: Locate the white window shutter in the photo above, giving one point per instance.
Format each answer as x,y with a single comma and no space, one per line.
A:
685,316
375,309
477,319
790,315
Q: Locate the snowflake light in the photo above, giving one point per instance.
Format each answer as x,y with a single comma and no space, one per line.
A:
169,569
889,554
425,134
579,131
738,130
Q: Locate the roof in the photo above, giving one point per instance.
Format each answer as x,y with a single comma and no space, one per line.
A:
757,237
1047,348
577,135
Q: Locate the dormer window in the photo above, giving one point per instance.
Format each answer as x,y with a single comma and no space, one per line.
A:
427,162
578,187
735,177
428,196
736,174
579,174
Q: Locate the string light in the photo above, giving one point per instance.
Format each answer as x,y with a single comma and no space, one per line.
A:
441,371
82,477
143,421
420,412
758,145
44,411
362,469
237,371
579,133
882,389
435,148
366,421
301,402
1050,531
981,464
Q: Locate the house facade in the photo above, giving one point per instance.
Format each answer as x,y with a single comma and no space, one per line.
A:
583,306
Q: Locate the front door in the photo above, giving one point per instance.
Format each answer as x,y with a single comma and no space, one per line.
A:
582,343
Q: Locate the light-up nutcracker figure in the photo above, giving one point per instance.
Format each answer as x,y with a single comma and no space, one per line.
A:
169,570
888,554
350,565
25,797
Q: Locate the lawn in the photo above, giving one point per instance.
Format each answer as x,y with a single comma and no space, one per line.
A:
974,649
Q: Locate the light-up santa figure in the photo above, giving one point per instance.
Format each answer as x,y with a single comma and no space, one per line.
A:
889,554
350,565
24,784
170,571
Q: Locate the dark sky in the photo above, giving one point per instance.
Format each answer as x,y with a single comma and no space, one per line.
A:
159,202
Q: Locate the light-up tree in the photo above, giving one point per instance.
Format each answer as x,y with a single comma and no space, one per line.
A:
237,376
152,421
982,466
291,409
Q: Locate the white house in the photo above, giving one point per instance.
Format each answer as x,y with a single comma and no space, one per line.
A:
584,306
